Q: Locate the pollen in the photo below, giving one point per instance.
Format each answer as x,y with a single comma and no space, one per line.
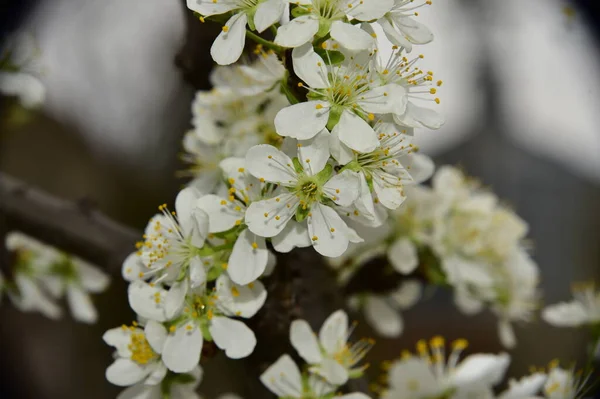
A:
266,214
223,202
277,217
318,106
300,84
332,229
371,117
315,238
231,180
235,292
241,170
225,28
254,245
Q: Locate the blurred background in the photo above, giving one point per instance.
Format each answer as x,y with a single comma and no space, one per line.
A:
521,97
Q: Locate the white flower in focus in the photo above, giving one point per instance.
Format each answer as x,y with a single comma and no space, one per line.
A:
431,374
320,17
174,386
310,194
401,29
257,14
250,255
382,312
330,356
202,314
285,380
341,98
419,86
583,309
137,354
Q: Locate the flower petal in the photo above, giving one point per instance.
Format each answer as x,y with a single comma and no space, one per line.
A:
313,114
506,334
387,99
369,9
343,188
197,272
403,256
332,371
233,336
248,258
415,116
147,301
81,305
228,46
283,378
412,30
222,214
156,335
209,7
91,278
175,298
132,267
382,317
327,230
268,218
305,341
407,294
120,338
159,371
339,151
353,131
267,162
240,300
334,332
313,154
294,235
124,372
351,36
566,314
297,32
181,352
267,13
310,67
421,168
480,368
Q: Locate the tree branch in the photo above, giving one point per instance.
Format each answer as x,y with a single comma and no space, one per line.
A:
77,228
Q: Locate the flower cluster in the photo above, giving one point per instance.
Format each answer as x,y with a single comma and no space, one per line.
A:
42,275
19,71
431,374
331,361
458,234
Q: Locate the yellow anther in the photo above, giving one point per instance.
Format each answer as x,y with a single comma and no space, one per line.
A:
371,117
315,238
223,202
225,29
332,229
460,344
235,292
318,106
254,245
433,91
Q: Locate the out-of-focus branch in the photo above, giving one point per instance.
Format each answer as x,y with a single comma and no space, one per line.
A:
77,228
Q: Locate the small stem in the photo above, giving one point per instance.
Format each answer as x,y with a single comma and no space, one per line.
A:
273,30
264,42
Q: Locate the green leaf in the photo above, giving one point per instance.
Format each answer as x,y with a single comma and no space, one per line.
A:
330,57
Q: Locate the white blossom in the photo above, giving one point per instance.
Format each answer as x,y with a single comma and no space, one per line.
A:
257,14
320,17
330,356
177,386
341,98
310,192
583,309
431,374
401,29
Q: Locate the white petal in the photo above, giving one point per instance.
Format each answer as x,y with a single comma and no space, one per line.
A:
414,31
119,338
197,272
233,336
271,263
140,391
351,36
339,151
343,188
267,162
353,131
313,154
566,314
184,204
294,235
332,371
222,214
159,371
403,256
526,387
415,116
382,317
389,189
156,334
181,352
240,300
390,98
143,301
414,369
421,168
124,372
327,230
370,9
364,203
506,334
81,305
283,378
313,114
267,13
394,35
261,216
248,258
91,278
480,368
466,302
297,32
407,294
209,7
305,342
199,227
334,332
175,298
132,267
310,67
228,46
355,395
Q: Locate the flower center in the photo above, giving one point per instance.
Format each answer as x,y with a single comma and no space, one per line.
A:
308,191
328,9
141,351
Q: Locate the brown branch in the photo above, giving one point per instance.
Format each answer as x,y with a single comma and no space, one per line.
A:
77,228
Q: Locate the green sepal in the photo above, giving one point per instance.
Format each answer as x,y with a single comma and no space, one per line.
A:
205,331
250,14
298,12
324,27
214,273
335,114
301,214
287,91
330,57
323,176
297,165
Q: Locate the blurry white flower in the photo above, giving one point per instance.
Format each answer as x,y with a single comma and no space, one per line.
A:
201,314
257,14
285,380
137,354
341,98
175,386
311,193
320,17
330,356
583,309
431,374
401,29
565,384
525,388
